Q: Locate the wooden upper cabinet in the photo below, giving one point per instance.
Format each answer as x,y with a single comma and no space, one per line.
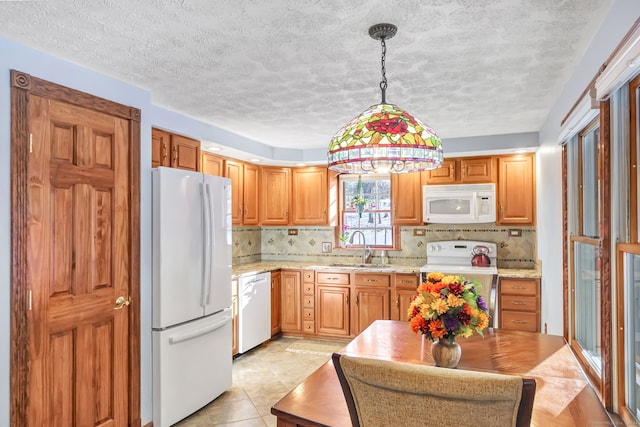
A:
406,193
234,171
516,190
160,147
274,201
251,176
185,153
211,164
463,170
309,204
176,151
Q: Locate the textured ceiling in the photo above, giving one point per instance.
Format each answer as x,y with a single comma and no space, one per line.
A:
291,73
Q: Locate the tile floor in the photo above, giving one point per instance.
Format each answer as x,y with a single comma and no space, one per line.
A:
261,377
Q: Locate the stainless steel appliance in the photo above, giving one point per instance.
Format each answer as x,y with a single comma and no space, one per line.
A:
456,257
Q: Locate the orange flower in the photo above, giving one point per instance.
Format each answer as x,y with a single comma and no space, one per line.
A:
418,324
434,277
436,329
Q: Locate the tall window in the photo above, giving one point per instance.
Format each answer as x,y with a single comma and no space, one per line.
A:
584,189
366,207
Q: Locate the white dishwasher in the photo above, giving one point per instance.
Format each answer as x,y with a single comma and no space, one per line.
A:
254,313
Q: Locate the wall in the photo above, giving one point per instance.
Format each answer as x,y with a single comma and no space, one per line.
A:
252,244
619,19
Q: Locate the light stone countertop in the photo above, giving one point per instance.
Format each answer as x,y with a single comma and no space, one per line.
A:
260,267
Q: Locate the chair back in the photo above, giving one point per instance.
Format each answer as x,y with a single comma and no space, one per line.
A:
383,393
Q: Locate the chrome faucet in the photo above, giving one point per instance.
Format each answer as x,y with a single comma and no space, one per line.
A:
366,251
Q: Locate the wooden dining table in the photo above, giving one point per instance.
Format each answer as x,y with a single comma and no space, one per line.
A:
564,396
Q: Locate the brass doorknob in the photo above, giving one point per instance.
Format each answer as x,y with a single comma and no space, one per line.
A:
121,302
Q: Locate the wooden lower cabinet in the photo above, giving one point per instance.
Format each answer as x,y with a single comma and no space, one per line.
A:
275,303
332,302
519,304
308,302
234,316
405,286
291,302
371,303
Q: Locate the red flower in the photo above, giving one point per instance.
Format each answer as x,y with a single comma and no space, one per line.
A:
456,288
388,125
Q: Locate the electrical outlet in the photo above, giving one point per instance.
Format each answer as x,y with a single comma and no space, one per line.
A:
419,232
515,233
293,232
326,247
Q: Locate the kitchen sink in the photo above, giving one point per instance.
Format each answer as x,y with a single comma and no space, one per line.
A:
377,267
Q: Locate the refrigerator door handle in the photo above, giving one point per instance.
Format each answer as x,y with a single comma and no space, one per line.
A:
211,242
205,243
178,338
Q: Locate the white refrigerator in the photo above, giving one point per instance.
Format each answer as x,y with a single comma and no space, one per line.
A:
191,292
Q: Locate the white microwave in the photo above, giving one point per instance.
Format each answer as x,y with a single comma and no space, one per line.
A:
459,203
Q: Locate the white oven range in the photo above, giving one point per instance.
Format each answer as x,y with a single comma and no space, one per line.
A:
454,257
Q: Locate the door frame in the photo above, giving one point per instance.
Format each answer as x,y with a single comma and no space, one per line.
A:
23,85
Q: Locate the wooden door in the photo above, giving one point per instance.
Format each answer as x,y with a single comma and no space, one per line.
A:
80,258
274,200
310,196
234,171
332,309
275,302
291,309
250,190
212,165
406,193
160,146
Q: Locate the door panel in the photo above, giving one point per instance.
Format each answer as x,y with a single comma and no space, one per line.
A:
78,264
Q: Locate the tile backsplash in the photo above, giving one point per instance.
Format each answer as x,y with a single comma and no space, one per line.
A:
253,244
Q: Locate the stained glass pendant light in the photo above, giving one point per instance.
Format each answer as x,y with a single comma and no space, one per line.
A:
384,138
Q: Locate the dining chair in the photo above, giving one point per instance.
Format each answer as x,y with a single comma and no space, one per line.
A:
383,393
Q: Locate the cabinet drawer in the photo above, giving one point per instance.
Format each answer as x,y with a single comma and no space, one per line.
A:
308,327
333,278
519,321
518,287
308,288
373,279
518,303
308,301
408,281
308,276
307,313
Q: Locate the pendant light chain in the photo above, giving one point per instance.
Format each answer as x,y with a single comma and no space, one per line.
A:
383,83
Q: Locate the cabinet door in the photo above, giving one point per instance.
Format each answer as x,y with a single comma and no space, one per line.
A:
516,190
402,301
310,196
212,165
406,193
445,174
291,302
250,190
185,153
476,170
275,302
274,200
332,310
160,146
234,171
371,303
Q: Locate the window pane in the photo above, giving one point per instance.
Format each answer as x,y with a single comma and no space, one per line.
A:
374,218
632,332
590,184
587,302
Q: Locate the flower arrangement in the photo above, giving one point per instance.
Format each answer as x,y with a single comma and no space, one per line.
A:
448,306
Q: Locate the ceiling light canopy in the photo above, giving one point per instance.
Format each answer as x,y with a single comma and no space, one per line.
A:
384,138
